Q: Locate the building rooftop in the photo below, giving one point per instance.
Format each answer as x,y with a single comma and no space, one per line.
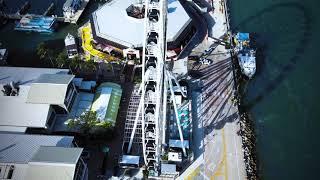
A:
25,75
15,113
49,89
52,154
107,101
111,22
20,148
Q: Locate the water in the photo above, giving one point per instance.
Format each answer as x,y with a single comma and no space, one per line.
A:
283,97
22,45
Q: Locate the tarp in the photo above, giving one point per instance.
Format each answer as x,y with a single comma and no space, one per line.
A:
243,36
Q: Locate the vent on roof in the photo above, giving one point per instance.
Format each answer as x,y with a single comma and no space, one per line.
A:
6,171
11,89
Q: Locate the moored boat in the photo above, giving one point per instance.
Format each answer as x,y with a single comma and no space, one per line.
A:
246,55
36,23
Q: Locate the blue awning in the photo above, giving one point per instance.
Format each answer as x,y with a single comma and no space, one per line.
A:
243,36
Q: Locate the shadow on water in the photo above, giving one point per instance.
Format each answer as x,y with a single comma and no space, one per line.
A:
299,50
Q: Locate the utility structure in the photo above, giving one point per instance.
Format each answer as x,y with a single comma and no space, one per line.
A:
154,88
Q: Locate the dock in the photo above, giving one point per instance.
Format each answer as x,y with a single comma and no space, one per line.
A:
23,10
49,10
77,15
215,107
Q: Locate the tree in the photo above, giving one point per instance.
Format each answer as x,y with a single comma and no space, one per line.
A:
90,65
88,124
62,60
75,63
85,122
45,54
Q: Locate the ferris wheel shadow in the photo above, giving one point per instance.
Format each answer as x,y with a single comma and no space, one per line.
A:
297,52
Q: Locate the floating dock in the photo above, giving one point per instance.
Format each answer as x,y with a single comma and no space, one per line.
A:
19,14
77,14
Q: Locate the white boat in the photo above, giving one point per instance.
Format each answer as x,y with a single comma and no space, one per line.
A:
247,62
71,46
246,55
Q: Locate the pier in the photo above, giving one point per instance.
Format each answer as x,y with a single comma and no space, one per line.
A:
49,10
23,10
77,14
224,132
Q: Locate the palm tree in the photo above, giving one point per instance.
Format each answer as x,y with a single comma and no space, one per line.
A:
44,53
75,64
62,60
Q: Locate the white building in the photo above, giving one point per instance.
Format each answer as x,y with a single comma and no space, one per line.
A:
31,97
112,24
39,157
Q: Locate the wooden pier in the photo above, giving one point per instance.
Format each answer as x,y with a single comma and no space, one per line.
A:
77,15
23,10
49,9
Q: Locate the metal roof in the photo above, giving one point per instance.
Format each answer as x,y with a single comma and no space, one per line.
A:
55,79
20,148
128,159
51,154
14,111
111,93
49,89
178,144
25,75
111,22
168,168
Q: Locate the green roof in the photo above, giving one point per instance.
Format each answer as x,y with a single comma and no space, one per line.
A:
114,101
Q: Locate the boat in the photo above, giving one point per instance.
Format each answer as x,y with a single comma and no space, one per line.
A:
70,7
246,55
3,56
36,23
71,46
247,62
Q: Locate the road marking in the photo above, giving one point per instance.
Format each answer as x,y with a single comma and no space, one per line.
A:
223,163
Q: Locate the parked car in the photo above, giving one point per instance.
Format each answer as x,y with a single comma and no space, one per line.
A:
205,61
208,51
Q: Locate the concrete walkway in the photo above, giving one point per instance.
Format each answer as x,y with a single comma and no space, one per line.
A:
217,117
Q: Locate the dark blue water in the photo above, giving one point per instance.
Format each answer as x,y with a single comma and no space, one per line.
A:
22,45
37,6
284,95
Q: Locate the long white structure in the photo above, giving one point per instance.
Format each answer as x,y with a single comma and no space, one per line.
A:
154,88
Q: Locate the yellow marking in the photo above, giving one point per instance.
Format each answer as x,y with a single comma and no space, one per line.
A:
87,46
223,163
194,173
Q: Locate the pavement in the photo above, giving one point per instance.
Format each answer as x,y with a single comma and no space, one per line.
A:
215,136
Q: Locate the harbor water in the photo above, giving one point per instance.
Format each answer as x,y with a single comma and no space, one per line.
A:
283,97
22,45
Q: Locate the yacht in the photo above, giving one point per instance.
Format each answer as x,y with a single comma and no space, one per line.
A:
246,54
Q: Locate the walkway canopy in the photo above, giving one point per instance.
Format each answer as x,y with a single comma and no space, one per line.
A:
106,102
242,36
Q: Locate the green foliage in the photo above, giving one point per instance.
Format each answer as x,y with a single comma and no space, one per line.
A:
61,60
45,54
88,124
137,80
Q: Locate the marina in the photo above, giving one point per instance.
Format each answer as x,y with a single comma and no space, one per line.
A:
219,128
72,10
